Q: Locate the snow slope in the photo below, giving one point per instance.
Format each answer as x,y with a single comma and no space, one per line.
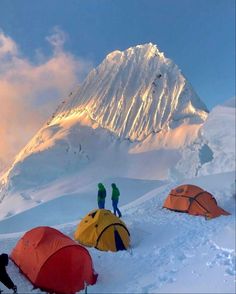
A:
213,151
171,252
61,205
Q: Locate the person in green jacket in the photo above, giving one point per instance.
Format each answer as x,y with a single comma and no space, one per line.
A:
101,196
115,199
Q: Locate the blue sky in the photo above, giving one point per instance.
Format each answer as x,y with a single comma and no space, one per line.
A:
199,35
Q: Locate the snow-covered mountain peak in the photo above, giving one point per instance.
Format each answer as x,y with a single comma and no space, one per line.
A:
148,51
113,55
134,93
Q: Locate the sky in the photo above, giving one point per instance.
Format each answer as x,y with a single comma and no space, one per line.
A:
48,47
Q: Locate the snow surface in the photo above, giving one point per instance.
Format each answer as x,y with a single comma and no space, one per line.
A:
170,252
218,136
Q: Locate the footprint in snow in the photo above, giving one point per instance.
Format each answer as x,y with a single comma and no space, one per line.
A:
225,257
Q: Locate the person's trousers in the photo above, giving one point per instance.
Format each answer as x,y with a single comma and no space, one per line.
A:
101,204
115,208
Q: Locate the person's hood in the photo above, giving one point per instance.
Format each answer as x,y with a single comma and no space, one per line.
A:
4,259
101,186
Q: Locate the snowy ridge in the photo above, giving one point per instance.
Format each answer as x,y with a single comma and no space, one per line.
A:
213,151
135,93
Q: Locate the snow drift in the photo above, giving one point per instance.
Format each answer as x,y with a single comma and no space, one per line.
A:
214,149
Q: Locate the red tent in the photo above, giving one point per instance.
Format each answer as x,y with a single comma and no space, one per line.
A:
53,262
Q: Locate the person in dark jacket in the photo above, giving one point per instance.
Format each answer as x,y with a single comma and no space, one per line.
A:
101,196
4,277
115,199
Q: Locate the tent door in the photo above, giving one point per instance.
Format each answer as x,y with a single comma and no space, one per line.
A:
119,243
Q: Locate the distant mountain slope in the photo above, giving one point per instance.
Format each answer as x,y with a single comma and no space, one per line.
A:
135,93
230,102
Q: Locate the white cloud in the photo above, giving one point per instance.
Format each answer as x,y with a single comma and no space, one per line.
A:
7,46
57,39
29,93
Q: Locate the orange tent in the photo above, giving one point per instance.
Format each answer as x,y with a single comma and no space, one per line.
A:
193,200
53,262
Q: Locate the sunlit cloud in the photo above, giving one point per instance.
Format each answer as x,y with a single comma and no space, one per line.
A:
7,46
29,93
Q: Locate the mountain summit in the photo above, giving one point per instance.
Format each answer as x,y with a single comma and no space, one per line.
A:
135,93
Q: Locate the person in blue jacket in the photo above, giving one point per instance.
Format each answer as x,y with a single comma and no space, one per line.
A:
101,196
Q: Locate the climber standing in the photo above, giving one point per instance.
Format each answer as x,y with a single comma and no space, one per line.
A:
101,196
115,199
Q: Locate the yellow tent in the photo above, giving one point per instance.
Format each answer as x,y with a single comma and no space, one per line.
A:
103,230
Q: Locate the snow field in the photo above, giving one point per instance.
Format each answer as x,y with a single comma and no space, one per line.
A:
170,252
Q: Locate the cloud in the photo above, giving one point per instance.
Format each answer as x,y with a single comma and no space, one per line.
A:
7,46
57,39
29,93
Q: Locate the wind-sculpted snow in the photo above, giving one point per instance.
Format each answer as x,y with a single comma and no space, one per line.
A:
214,150
135,93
